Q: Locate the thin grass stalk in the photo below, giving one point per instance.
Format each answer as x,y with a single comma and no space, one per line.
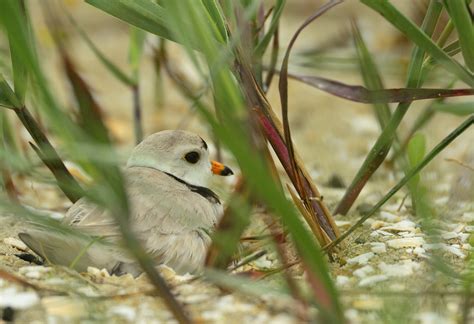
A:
408,176
462,20
273,60
137,114
370,74
420,38
283,87
384,142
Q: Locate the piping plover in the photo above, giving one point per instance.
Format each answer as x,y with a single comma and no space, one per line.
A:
172,212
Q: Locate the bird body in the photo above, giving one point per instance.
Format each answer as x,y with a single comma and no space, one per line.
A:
172,212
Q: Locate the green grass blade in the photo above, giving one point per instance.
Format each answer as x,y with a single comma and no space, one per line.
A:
408,176
20,73
216,19
135,52
263,44
384,142
462,20
371,75
7,95
114,69
455,108
416,149
234,132
422,40
143,14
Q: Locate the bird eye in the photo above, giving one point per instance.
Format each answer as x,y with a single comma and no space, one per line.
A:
192,157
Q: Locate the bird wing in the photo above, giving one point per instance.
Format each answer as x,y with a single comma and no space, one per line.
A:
91,219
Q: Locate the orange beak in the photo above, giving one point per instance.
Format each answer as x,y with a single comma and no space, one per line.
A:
220,169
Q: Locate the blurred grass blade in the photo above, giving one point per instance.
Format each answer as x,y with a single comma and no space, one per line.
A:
45,150
236,131
422,40
462,20
455,108
293,170
216,18
143,14
225,240
408,176
384,142
137,44
7,96
263,44
15,23
20,73
114,69
64,179
91,119
416,149
371,75
364,95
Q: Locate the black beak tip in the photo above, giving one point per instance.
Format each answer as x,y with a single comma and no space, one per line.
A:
227,172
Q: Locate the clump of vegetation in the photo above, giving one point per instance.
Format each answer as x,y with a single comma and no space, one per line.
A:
235,47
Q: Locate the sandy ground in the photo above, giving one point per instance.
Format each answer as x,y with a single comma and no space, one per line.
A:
385,276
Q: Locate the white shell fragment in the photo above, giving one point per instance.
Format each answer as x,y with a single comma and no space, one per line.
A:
449,235
364,271
403,269
361,259
33,272
468,217
378,247
11,297
126,312
342,280
389,217
16,243
456,251
369,281
402,226
406,242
